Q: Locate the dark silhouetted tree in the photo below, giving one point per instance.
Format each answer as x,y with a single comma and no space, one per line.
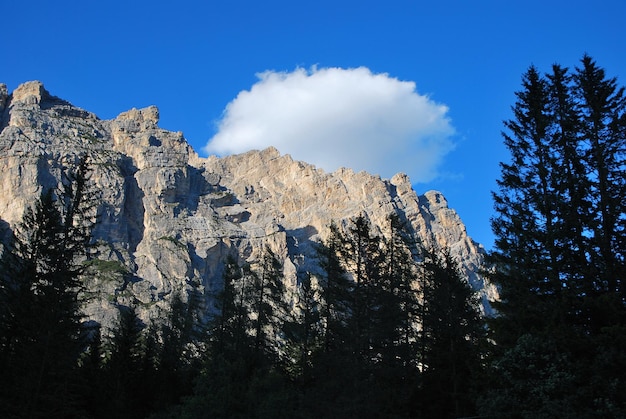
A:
42,329
453,334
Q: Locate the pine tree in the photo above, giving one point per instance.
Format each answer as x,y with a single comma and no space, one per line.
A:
222,388
453,334
230,323
41,306
242,375
335,288
268,307
525,223
369,310
603,116
124,367
303,331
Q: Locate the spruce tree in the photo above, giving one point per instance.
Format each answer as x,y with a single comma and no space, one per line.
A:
171,352
602,316
525,222
332,366
124,366
268,306
373,306
242,375
602,107
453,333
335,288
362,256
230,322
222,387
44,335
303,331
402,307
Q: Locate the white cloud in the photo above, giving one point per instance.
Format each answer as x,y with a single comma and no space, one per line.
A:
334,117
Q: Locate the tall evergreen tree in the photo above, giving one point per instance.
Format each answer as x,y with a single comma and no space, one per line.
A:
303,331
335,288
242,375
453,334
401,281
332,366
525,222
43,334
230,323
124,368
573,208
171,352
603,124
362,256
370,303
268,306
222,388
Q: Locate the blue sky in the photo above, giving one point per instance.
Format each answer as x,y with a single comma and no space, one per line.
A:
213,69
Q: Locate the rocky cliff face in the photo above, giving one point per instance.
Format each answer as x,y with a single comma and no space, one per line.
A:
168,217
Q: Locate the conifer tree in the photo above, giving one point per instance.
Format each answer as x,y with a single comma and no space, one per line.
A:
332,366
230,323
222,388
171,352
335,288
123,369
375,362
602,107
303,331
362,256
268,306
453,334
242,375
402,306
573,208
525,223
41,307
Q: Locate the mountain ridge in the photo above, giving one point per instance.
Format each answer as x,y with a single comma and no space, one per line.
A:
169,217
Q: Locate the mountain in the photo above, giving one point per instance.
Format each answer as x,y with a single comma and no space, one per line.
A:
169,218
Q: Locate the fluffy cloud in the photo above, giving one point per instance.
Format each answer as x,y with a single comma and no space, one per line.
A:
335,117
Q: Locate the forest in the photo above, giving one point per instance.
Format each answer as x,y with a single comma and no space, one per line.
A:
382,326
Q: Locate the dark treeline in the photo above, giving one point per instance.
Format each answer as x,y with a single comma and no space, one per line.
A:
349,344
377,326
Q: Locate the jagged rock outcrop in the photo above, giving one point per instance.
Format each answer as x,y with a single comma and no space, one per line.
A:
168,217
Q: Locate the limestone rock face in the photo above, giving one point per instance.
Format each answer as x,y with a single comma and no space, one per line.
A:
168,218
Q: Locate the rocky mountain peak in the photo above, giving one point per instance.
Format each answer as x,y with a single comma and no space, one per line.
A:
140,119
31,92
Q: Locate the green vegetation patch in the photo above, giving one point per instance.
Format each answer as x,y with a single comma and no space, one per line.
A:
107,266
